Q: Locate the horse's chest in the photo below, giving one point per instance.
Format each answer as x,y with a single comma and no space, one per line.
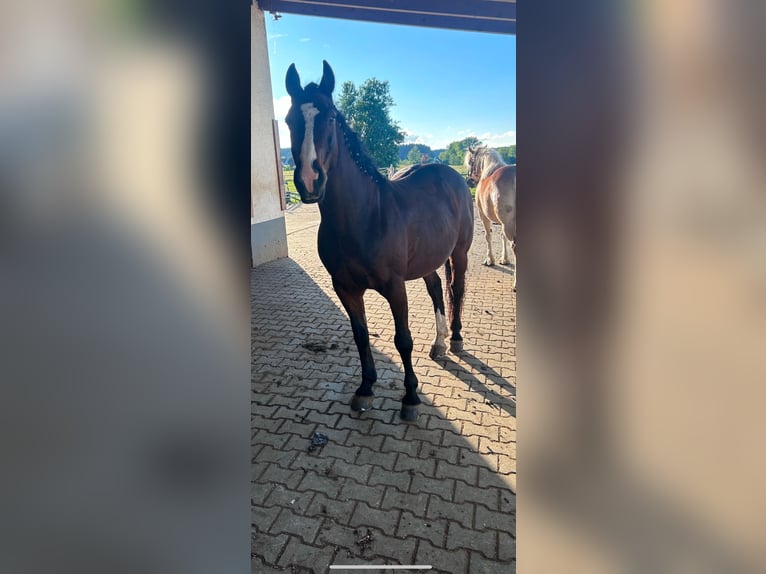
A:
347,264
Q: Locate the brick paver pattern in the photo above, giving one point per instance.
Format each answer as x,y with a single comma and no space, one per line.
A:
441,491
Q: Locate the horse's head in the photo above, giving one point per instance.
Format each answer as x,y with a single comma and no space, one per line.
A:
313,134
473,166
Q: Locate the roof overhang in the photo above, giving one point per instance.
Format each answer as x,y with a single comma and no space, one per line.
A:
495,16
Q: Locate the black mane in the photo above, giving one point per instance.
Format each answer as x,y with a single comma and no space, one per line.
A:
356,148
358,152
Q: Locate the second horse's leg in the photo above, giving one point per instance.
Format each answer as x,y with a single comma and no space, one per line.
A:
490,258
353,302
509,236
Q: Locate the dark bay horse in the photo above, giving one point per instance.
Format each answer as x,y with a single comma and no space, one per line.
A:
377,233
495,197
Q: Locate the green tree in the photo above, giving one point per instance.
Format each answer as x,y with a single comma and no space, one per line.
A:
414,155
404,150
367,109
455,152
508,153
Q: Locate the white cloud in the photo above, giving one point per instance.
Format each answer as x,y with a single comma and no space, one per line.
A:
281,107
305,40
412,138
499,140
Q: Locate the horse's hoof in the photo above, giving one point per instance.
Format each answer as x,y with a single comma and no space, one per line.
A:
456,346
437,351
409,413
488,262
359,403
504,262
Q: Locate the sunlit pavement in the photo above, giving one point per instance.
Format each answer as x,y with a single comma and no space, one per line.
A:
440,491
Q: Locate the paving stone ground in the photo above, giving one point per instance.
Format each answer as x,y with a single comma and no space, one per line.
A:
440,491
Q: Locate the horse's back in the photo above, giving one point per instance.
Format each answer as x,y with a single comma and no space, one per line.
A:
420,172
431,191
433,202
426,182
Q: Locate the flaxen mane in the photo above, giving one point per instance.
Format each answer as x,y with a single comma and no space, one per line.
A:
486,159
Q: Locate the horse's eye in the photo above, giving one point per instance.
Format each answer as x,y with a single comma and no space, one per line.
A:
331,120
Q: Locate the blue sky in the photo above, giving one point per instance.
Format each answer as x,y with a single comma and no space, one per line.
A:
446,84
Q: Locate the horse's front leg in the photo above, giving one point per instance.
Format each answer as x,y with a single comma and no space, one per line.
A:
353,302
396,295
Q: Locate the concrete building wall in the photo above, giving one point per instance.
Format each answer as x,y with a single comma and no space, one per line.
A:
268,238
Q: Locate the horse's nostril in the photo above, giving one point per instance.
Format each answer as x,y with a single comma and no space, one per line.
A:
309,174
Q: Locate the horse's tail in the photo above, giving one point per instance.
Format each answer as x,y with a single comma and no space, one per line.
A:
450,294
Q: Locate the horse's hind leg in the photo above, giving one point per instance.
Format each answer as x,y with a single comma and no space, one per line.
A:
504,257
434,286
508,221
490,258
515,264
509,236
396,295
353,302
456,268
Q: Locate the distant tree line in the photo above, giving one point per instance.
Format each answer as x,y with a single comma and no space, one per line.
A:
413,153
405,149
455,152
508,153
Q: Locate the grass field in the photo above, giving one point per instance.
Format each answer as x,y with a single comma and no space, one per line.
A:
292,193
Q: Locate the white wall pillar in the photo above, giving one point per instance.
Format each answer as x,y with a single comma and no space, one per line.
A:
268,238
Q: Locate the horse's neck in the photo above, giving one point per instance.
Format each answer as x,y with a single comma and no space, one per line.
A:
490,165
351,196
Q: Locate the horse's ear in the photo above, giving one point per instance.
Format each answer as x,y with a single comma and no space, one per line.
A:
327,85
293,82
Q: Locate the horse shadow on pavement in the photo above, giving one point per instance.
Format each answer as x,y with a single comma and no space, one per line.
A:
439,491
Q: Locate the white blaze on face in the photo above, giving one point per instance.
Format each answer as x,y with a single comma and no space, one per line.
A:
308,151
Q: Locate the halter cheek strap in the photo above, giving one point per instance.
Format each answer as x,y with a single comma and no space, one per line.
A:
472,171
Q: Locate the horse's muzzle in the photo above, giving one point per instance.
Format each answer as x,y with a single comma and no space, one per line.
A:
314,192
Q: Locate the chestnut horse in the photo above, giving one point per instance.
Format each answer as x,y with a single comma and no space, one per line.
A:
377,233
495,197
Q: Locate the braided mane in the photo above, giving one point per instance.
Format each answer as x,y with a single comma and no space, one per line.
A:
358,152
354,145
